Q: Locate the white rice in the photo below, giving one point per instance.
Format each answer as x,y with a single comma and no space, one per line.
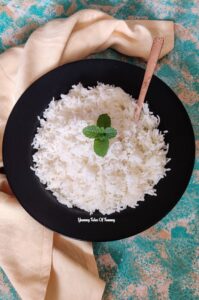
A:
67,164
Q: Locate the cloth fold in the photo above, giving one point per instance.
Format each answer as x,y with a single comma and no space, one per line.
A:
42,264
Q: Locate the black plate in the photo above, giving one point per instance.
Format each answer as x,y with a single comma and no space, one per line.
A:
41,205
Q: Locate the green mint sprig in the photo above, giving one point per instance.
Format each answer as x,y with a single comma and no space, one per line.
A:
101,133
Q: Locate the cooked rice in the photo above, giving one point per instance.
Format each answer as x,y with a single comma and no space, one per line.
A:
66,163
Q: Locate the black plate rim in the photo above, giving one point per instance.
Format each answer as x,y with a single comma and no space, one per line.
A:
60,231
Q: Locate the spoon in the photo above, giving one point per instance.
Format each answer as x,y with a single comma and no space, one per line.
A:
150,68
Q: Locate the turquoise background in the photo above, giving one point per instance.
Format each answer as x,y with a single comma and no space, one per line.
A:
161,263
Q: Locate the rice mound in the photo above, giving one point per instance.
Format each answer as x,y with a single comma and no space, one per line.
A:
66,163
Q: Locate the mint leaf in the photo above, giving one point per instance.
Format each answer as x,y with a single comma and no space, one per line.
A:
102,137
101,147
92,131
104,121
110,132
101,132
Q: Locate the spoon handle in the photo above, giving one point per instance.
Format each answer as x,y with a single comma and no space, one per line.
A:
150,68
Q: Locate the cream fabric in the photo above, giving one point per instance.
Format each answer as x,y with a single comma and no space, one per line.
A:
42,264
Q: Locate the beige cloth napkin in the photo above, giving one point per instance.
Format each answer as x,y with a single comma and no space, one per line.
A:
42,264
